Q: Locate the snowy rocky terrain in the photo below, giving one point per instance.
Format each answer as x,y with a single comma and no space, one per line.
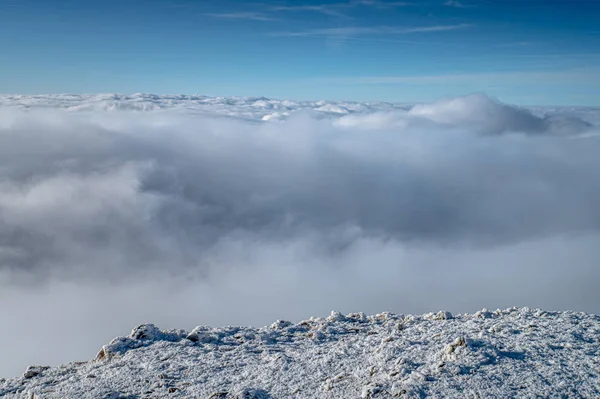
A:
514,353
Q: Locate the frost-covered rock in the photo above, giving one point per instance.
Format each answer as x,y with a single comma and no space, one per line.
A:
140,336
444,316
513,353
34,371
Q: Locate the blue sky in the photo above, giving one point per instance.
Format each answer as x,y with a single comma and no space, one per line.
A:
524,52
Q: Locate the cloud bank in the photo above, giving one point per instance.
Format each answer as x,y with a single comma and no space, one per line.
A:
109,219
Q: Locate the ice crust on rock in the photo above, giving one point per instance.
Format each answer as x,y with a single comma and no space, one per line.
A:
512,353
140,336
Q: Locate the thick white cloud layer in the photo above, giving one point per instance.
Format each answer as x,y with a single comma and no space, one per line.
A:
108,219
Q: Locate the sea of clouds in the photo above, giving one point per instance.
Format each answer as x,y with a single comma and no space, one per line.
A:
110,219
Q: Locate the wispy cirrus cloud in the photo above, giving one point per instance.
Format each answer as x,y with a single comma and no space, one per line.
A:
455,3
580,75
332,9
515,44
383,4
353,31
247,15
336,9
327,9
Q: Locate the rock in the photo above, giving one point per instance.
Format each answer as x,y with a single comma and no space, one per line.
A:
201,335
251,393
370,391
101,355
483,314
34,371
460,341
336,316
443,315
146,331
281,324
405,391
357,317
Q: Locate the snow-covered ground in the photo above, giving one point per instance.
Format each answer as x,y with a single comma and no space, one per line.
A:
514,353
